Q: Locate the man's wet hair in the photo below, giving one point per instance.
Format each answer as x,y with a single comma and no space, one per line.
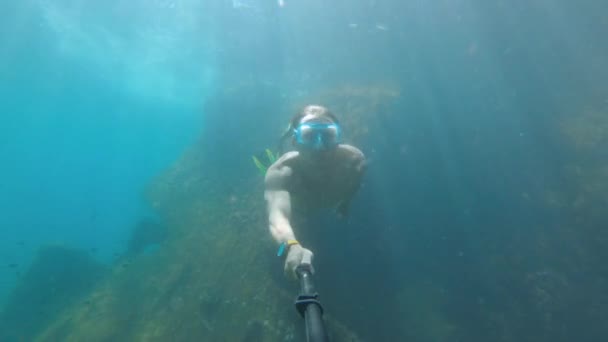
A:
314,110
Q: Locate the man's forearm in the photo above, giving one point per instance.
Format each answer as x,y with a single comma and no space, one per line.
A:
279,210
281,230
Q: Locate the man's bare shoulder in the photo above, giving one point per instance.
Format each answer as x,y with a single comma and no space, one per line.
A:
285,160
351,153
280,170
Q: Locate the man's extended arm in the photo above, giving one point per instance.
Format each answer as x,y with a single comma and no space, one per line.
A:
279,203
279,214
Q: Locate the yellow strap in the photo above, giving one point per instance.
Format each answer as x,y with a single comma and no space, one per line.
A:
292,242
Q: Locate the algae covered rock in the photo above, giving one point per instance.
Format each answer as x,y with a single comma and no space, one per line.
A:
215,277
58,277
147,234
586,132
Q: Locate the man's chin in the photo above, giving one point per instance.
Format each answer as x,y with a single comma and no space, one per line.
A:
319,153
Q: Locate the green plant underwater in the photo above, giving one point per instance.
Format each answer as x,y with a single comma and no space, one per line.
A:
270,159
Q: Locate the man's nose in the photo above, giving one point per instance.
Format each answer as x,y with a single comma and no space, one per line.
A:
318,141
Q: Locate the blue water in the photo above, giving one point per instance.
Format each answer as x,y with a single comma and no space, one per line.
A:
477,197
92,109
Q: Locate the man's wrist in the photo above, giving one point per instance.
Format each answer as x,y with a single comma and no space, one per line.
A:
286,246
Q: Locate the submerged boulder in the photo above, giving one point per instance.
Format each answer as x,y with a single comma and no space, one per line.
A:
58,277
146,234
213,279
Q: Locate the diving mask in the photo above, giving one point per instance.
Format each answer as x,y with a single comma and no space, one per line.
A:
317,136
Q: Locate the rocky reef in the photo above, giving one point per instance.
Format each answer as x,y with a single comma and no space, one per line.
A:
532,270
215,277
211,279
58,278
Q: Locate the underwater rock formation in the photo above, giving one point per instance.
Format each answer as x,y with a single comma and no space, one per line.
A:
59,277
214,278
585,133
209,281
146,234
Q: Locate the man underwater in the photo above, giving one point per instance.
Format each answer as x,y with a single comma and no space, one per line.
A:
321,173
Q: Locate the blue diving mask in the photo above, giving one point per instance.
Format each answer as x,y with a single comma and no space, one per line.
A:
317,136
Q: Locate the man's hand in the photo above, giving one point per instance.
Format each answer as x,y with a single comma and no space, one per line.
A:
296,256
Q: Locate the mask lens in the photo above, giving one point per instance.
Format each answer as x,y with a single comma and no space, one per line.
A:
318,135
330,135
306,134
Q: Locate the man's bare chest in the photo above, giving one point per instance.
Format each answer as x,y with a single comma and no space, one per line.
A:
324,183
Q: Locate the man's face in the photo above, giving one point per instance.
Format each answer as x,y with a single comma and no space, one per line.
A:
316,135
